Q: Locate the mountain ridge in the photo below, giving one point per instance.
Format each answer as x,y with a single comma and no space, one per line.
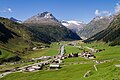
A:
96,25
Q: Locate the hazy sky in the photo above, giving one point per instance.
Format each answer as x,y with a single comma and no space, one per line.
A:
83,10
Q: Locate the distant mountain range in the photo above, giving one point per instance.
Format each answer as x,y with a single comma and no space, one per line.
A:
75,26
15,20
85,31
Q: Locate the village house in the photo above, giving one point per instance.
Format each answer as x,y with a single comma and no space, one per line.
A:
54,66
73,55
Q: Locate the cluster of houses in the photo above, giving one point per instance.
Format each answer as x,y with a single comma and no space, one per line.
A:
34,67
88,55
51,62
54,62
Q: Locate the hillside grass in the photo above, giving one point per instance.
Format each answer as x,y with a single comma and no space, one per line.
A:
53,50
17,44
109,54
5,54
106,71
65,73
72,49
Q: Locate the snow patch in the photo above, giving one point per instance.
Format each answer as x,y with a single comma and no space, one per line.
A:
74,22
65,24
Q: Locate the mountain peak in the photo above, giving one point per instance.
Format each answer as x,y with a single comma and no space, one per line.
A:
45,15
43,18
97,18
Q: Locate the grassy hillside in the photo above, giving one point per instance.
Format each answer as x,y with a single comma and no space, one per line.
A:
14,38
13,35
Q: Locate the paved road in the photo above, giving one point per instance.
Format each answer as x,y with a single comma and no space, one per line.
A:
62,50
4,74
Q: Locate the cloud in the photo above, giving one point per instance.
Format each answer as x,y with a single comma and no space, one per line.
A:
97,12
10,10
6,10
102,13
117,8
107,13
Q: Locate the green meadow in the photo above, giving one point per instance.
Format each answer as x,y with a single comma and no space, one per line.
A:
75,68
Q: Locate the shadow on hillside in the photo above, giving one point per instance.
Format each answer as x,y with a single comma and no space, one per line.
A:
6,34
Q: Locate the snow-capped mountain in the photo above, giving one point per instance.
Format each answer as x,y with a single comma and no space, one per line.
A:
15,20
47,28
45,18
73,25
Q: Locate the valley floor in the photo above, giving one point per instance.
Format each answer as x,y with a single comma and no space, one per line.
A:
106,65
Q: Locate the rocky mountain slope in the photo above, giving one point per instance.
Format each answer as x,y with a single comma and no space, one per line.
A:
96,25
111,34
45,18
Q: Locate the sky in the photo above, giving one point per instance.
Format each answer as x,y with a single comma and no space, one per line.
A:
81,10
